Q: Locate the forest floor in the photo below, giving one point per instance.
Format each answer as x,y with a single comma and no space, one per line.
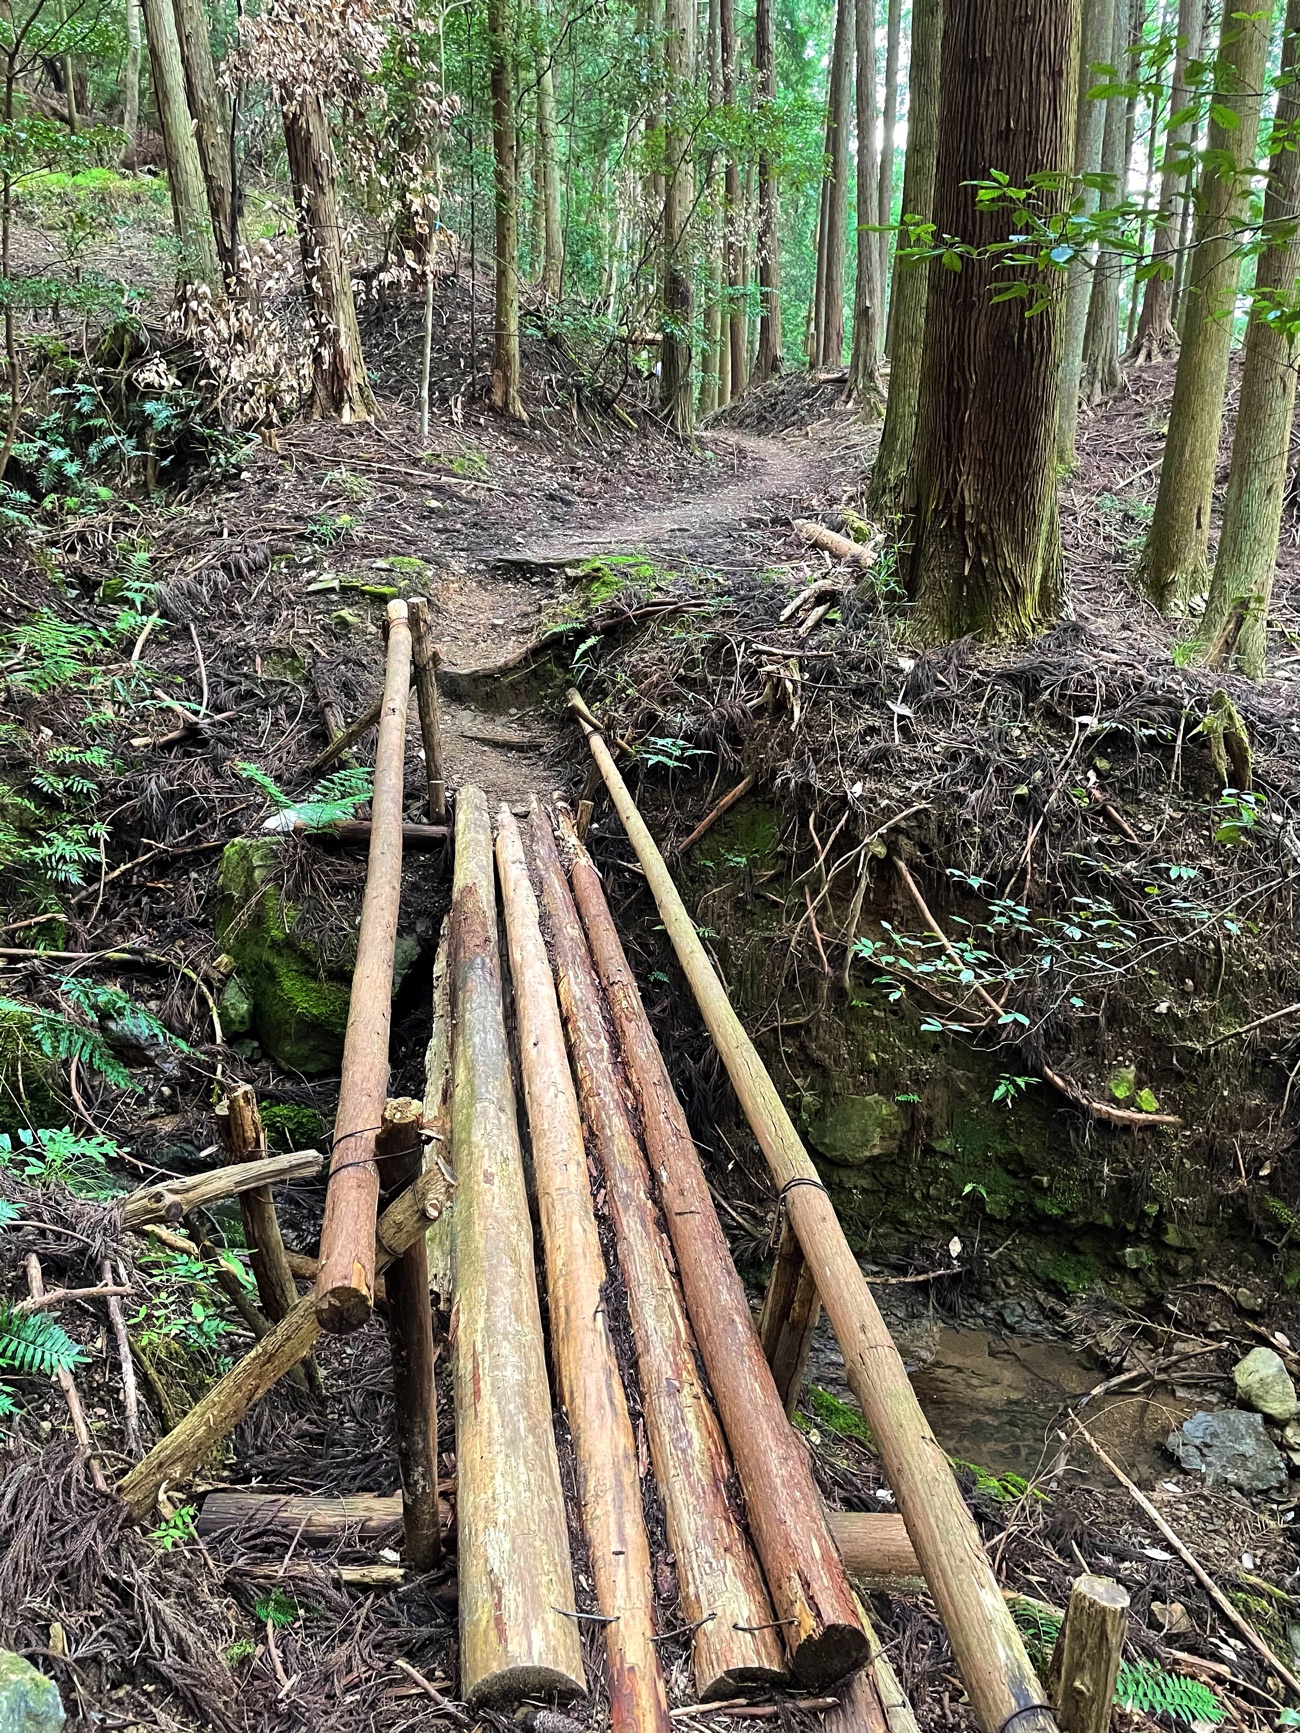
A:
565,534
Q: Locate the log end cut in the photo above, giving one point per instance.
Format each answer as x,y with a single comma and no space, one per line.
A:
831,1655
507,1687
345,1308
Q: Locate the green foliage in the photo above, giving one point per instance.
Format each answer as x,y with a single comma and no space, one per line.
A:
1001,1488
1141,1685
34,1344
670,753
1237,816
75,1160
176,1529
330,528
279,1608
47,651
57,1037
1008,1089
334,798
291,1127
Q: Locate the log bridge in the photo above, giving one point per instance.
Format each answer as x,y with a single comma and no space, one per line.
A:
616,1316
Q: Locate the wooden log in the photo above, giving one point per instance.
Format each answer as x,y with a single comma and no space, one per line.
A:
346,1278
1086,1660
809,1589
410,1344
437,1117
304,1269
716,1570
609,1480
335,727
67,1383
425,662
361,831
789,1317
362,1516
170,1199
838,546
216,1415
990,1651
239,1127
518,1635
874,1544
711,817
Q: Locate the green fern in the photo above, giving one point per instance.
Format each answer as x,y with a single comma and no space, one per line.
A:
32,1343
9,1213
54,651
8,1405
279,1607
1139,1685
133,1019
57,1037
334,798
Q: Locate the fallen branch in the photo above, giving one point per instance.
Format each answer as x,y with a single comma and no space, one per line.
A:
1193,1564
1248,1028
171,1199
66,1382
711,817
360,830
812,593
59,1296
851,552
130,1395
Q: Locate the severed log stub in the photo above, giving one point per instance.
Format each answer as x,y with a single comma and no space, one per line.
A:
239,1127
609,1480
410,1342
215,1415
360,1516
345,1281
1086,1660
716,1569
425,662
995,1667
518,1634
810,1591
789,1317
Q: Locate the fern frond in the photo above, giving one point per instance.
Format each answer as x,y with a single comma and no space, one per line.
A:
59,1038
259,779
1155,1692
32,1343
9,1213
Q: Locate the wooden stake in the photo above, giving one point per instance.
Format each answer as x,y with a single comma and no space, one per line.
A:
1085,1661
215,1415
67,1383
609,1481
410,1343
518,1636
809,1590
789,1317
239,1127
426,661
990,1651
171,1199
346,1279
722,1591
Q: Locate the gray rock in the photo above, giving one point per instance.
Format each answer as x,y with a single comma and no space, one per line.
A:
1231,1446
1263,1383
29,1702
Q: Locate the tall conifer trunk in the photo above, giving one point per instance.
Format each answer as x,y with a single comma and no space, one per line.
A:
211,126
679,60
985,536
1155,332
734,216
505,188
769,359
198,253
888,127
828,319
1096,44
1236,615
1175,561
1102,374
864,370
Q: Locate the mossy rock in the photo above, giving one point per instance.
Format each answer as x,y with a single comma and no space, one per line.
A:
851,1129
299,997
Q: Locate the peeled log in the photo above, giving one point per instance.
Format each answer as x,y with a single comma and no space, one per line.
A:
609,1481
512,1536
809,1589
716,1569
345,1281
362,1516
996,1670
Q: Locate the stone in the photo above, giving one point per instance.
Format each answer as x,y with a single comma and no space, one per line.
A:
236,1008
1264,1384
1231,1446
1173,1618
29,1701
850,1129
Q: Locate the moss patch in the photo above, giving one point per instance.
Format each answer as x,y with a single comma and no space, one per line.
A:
289,1126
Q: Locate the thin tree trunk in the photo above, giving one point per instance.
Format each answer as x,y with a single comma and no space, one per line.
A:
211,125
888,126
829,339
769,359
985,535
864,370
131,75
1155,332
1101,374
715,333
734,217
1167,19
340,390
1176,556
198,260
549,160
1236,616
675,351
911,277
1096,46
505,322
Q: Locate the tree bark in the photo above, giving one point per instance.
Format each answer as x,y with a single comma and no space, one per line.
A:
549,159
911,277
675,349
609,1481
716,1570
986,550
512,1543
198,252
1087,1656
769,359
1096,46
888,125
1155,332
1236,615
734,216
345,1282
340,390
1101,373
131,75
505,322
1175,561
172,1199
828,341
211,126
788,1319
868,298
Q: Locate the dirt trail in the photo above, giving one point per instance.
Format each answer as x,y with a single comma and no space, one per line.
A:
726,519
